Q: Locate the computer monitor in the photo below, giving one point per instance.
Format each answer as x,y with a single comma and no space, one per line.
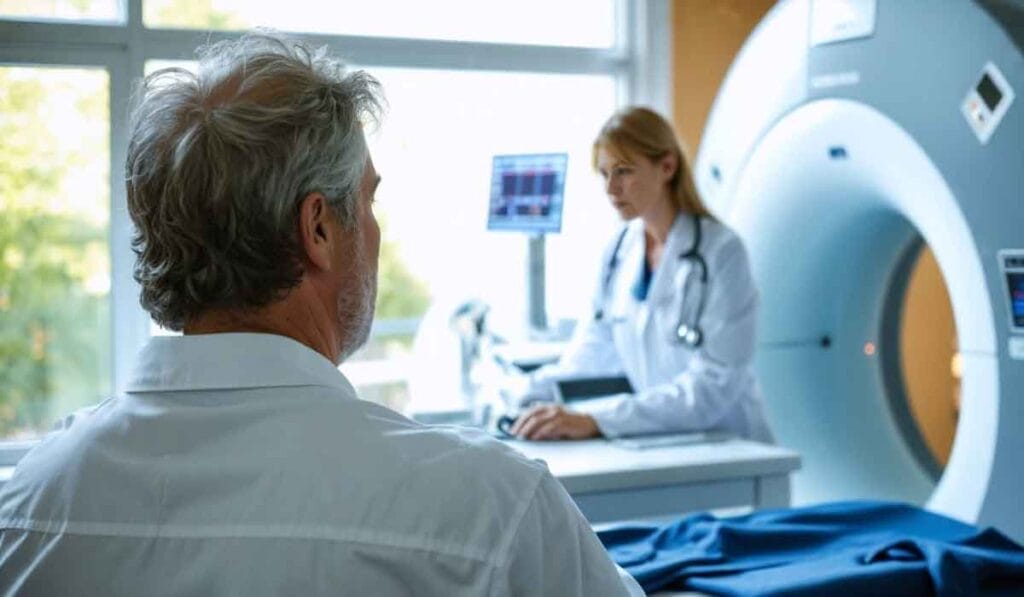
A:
527,192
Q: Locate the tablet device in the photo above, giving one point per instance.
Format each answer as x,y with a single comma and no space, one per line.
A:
586,388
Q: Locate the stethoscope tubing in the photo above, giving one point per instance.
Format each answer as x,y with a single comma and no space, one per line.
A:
686,333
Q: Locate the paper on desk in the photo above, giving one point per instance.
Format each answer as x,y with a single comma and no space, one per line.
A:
645,442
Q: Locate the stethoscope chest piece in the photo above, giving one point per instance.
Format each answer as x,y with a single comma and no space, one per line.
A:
689,335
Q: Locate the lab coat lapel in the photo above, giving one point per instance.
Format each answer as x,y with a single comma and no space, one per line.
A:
662,282
660,277
679,238
662,300
631,269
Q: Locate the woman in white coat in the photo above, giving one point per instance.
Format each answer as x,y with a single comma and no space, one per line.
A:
675,309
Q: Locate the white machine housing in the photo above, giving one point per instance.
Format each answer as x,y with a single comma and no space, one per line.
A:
846,135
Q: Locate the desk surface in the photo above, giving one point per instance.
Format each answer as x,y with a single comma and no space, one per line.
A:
601,465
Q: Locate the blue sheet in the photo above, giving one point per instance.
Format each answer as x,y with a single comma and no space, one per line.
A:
847,549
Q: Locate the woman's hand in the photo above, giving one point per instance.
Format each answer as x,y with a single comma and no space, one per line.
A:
552,421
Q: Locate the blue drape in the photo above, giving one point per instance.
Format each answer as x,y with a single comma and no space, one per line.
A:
838,549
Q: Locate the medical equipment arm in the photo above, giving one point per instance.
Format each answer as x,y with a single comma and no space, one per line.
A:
555,552
590,352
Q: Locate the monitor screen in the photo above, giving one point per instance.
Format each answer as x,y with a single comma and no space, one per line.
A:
989,92
527,192
1015,284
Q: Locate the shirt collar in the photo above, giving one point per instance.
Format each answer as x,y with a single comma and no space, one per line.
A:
231,361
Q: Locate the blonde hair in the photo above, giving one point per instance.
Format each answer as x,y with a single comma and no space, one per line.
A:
639,131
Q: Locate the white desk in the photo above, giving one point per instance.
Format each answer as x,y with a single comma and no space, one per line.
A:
611,483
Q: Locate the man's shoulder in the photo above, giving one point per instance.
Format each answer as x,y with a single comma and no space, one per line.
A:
40,471
374,442
465,449
446,481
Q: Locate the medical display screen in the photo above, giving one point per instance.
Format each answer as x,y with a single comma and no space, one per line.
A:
1015,284
527,192
989,93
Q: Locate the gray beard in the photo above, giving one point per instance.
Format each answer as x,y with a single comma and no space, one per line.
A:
355,308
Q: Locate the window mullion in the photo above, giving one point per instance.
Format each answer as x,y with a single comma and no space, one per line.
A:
131,323
70,37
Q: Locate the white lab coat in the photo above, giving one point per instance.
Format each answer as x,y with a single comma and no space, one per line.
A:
677,388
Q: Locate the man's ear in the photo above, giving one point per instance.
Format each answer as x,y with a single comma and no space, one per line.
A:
315,235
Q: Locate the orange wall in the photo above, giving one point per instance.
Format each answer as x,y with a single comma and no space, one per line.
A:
706,34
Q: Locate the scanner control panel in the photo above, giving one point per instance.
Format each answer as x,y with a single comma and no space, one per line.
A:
1011,264
987,102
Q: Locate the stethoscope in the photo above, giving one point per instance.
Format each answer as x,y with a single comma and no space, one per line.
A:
687,329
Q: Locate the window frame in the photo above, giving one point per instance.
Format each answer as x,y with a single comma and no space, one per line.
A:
639,61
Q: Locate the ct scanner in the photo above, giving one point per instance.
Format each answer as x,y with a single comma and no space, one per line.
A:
846,133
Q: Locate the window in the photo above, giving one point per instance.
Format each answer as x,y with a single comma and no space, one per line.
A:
70,10
434,153
54,252
581,23
464,80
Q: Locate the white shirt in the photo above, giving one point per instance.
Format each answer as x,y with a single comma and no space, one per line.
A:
678,388
244,464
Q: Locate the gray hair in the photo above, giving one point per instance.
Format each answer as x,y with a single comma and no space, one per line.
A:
219,161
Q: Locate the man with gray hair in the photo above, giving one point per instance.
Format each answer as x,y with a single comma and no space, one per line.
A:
240,460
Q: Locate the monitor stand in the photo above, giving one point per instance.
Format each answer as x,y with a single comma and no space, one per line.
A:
536,317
